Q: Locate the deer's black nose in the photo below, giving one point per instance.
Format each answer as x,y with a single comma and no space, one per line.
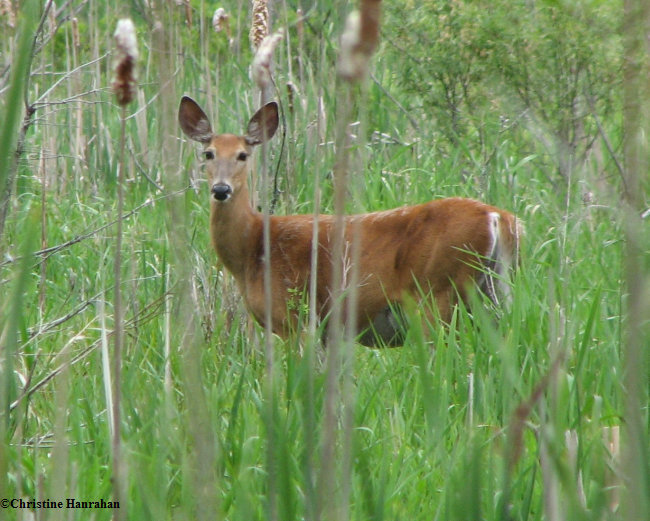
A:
221,191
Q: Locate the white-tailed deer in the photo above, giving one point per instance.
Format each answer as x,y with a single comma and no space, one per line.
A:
438,248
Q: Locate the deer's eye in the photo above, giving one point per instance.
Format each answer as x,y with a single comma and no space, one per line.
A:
208,154
242,156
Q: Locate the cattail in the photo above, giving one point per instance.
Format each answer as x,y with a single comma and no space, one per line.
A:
359,40
291,92
220,20
127,49
370,15
262,61
260,26
188,12
7,10
352,64
300,25
76,41
51,16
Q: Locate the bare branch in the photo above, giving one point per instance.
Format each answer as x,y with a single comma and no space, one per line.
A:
149,312
33,332
47,252
43,96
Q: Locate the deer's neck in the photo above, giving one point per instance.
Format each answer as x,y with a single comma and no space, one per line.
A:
236,230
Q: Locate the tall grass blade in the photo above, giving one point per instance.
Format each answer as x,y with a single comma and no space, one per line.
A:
14,106
12,307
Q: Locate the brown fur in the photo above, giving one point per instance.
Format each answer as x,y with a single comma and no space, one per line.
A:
436,248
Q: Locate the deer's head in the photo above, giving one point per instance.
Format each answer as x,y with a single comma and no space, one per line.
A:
226,155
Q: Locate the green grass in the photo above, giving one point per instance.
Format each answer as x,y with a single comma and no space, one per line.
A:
427,431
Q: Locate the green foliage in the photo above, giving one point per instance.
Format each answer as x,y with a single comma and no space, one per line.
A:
470,99
539,73
442,59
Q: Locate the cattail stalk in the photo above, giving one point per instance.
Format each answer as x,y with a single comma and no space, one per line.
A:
51,16
636,111
79,145
612,444
264,44
357,44
124,87
312,497
184,340
300,29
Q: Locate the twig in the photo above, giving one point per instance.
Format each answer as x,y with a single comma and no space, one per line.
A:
47,252
155,96
137,319
276,190
399,105
608,144
58,82
33,332
35,51
142,170
45,40
5,197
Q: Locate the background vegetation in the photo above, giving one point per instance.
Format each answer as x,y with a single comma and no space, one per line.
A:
529,105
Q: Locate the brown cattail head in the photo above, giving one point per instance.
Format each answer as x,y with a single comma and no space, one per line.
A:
127,55
291,92
260,25
370,16
188,11
359,40
76,41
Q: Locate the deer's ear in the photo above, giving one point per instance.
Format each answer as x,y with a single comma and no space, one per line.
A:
194,121
263,124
